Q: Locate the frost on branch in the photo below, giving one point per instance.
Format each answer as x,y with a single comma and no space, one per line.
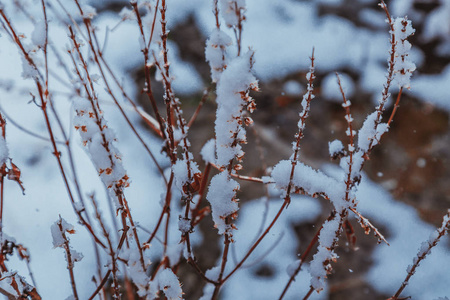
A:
335,148
306,101
13,172
231,10
89,12
137,274
29,70
232,97
370,133
425,247
403,66
222,196
4,153
59,230
309,181
424,250
184,225
14,286
98,139
320,266
181,170
369,136
168,282
216,52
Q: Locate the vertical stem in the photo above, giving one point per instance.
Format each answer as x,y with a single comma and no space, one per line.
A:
302,259
222,267
2,177
69,260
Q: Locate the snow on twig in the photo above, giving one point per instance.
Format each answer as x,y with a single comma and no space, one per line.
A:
234,80
352,162
98,140
424,251
216,52
404,67
60,240
232,98
14,286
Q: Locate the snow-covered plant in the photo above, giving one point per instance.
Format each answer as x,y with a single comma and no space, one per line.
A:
59,230
403,65
425,249
143,200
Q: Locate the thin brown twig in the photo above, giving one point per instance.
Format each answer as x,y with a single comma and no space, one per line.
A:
265,254
2,177
287,197
367,226
43,106
226,248
97,57
302,259
311,290
67,143
199,107
105,278
112,253
191,261
165,209
70,261
250,251
424,251
241,177
96,109
396,106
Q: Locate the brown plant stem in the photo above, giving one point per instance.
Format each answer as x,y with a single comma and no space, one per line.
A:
302,259
105,278
422,254
70,264
250,251
165,209
43,106
2,178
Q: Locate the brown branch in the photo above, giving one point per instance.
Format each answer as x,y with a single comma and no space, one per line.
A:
302,259
432,242
241,177
70,264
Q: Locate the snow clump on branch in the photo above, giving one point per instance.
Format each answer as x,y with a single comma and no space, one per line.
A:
98,139
232,97
4,153
403,67
231,11
216,53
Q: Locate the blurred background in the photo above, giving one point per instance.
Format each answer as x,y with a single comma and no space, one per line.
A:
406,186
